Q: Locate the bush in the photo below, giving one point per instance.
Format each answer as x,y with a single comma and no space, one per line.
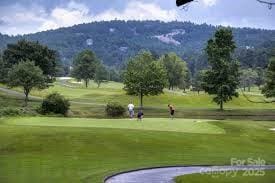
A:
55,103
115,109
10,112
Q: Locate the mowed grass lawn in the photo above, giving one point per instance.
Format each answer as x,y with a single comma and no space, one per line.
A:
43,149
113,92
241,177
91,102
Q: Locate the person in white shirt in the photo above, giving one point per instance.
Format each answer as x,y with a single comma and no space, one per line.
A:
131,110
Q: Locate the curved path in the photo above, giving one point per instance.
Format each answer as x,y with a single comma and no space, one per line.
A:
167,174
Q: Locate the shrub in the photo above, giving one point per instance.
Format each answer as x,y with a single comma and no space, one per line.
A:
114,109
55,103
10,112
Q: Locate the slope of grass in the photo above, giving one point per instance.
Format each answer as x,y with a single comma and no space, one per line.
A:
63,153
113,91
91,102
241,177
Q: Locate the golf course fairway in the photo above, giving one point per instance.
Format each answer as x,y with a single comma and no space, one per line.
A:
51,149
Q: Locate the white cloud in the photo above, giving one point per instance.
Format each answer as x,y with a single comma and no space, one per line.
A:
136,10
76,13
21,19
73,14
209,2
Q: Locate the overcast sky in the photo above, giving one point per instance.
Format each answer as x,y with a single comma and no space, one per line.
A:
29,16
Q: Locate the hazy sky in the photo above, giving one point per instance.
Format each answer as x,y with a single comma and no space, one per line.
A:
29,16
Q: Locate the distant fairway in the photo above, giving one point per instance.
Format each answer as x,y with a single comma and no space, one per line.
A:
112,91
91,102
151,124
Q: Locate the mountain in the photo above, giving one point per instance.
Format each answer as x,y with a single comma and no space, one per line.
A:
115,41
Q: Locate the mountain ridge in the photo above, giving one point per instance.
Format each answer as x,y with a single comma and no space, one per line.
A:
115,41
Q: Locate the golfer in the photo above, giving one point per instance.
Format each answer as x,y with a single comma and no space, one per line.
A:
140,115
131,110
172,111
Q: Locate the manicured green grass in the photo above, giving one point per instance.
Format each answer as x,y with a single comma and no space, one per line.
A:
91,102
113,91
14,102
241,177
49,150
153,124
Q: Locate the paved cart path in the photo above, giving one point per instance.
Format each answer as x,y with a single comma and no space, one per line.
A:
167,174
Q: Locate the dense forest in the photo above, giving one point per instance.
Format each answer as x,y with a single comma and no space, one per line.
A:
115,41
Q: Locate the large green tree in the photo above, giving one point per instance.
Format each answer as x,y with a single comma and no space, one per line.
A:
144,76
41,55
269,88
28,76
84,66
222,78
176,68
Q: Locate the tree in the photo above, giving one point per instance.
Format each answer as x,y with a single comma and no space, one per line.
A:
28,76
185,81
2,71
84,66
176,69
114,75
260,77
42,56
222,78
269,87
144,76
55,103
198,81
248,78
101,74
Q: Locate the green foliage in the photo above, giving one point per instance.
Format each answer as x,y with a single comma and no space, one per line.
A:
2,71
101,74
84,66
248,78
222,79
114,75
28,76
260,77
144,76
114,109
55,103
42,56
176,69
197,84
8,111
269,87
